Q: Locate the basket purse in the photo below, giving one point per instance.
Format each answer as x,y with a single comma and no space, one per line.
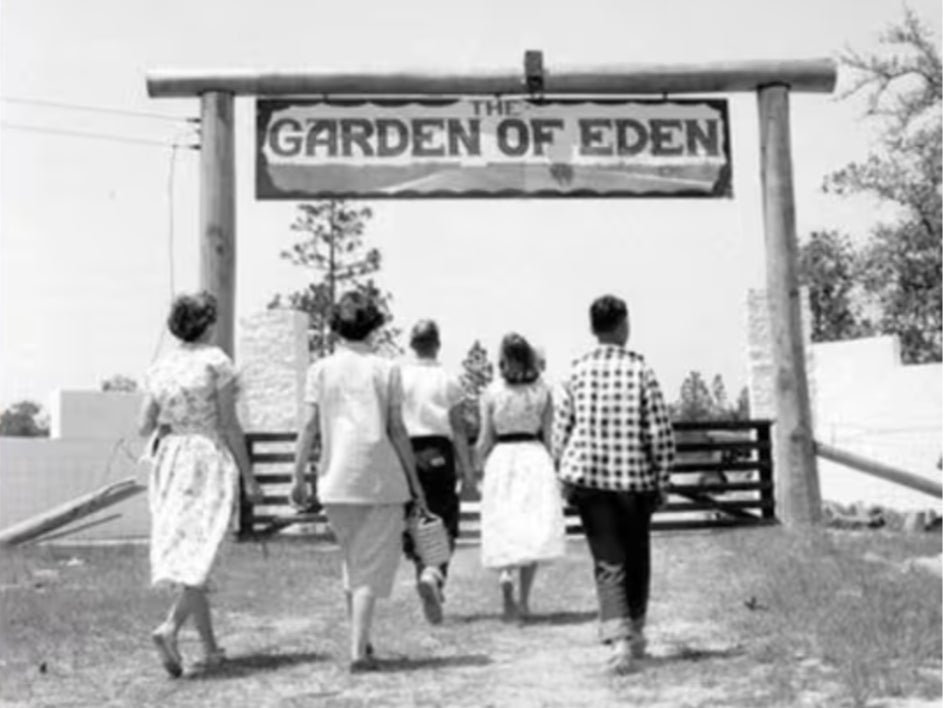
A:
430,540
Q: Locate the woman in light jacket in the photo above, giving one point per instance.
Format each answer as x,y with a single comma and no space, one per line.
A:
366,472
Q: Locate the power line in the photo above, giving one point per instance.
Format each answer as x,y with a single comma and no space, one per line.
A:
94,136
98,109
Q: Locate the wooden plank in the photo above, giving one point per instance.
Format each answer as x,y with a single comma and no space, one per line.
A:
693,524
276,457
218,212
284,478
709,425
766,474
739,466
707,503
795,462
67,512
720,487
878,469
718,446
812,75
272,437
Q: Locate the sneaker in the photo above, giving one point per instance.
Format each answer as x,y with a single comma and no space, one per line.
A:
621,660
428,589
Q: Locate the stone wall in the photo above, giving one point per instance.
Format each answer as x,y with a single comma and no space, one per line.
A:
760,354
272,357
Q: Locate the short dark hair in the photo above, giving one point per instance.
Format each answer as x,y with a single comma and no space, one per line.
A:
355,316
607,313
517,361
191,315
424,337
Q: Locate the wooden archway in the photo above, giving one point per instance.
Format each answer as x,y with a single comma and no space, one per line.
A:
772,81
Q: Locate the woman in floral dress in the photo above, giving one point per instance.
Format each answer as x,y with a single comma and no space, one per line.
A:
522,513
198,453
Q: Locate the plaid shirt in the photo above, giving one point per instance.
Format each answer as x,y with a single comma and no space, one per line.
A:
611,428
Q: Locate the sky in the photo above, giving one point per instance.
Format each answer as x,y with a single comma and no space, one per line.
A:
96,236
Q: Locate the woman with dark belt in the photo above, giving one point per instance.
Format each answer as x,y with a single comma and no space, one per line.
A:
432,413
522,514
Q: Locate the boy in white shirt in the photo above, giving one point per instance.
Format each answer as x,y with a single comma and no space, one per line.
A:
432,412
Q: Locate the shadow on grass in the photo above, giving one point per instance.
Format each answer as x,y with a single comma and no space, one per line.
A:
247,664
684,653
551,618
405,663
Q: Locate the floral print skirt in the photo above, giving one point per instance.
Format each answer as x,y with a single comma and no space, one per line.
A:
192,493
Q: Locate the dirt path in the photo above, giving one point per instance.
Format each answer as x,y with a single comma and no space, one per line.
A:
81,639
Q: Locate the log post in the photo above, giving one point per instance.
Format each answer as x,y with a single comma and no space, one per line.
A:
797,480
218,211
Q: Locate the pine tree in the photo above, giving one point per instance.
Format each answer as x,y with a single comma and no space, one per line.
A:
333,249
477,374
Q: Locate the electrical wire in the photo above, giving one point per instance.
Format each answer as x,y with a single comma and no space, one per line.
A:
94,136
171,173
98,109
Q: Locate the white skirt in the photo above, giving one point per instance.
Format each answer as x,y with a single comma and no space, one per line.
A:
522,512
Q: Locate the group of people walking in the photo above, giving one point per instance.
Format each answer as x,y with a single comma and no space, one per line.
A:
392,436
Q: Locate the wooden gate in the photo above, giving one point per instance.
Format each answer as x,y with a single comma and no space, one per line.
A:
723,476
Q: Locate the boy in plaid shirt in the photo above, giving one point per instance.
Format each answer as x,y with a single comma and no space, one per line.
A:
614,447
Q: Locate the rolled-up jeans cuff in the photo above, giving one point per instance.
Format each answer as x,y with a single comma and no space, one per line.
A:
614,629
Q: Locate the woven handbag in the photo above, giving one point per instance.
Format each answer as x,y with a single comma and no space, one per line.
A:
430,539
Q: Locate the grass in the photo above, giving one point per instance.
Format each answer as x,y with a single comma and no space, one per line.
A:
738,618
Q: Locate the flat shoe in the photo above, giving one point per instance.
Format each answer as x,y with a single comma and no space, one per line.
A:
621,664
167,649
429,594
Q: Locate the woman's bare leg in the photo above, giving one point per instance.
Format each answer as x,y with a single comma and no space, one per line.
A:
527,574
507,584
362,614
201,619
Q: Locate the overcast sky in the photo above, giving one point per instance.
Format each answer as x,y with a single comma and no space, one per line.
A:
86,226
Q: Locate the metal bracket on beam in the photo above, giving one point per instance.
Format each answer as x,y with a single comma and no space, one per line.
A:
534,72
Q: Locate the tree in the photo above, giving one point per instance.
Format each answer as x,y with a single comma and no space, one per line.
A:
120,382
696,402
477,374
742,409
333,249
25,420
829,269
902,261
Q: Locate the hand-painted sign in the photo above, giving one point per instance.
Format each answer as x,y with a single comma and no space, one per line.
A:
491,148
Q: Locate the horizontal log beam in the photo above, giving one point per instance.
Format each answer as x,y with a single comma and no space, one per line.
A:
803,75
877,469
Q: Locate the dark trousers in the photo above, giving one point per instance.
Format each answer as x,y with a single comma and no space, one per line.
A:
436,469
617,529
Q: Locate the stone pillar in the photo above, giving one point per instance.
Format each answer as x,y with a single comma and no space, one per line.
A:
761,386
273,359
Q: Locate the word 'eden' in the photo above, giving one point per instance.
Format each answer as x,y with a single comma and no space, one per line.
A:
514,137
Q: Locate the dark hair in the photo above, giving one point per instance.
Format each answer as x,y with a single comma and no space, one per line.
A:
516,360
355,316
424,338
191,315
607,313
